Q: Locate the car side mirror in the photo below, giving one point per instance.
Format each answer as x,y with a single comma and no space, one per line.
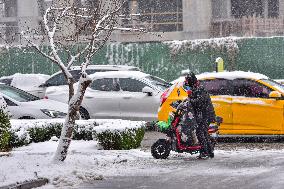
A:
148,90
275,94
44,85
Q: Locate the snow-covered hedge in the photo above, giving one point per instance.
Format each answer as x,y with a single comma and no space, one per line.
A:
5,126
111,134
120,140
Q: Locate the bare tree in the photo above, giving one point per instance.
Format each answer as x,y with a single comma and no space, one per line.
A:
78,32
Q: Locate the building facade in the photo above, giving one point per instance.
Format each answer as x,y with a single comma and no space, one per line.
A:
166,19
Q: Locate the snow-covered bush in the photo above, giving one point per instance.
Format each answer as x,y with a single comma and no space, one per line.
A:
114,134
82,132
45,132
5,126
120,140
19,137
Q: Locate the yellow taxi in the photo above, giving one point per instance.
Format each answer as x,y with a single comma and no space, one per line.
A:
249,103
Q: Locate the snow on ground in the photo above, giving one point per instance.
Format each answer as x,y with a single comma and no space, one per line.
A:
85,162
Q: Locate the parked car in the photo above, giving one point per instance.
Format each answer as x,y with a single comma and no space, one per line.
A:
27,82
22,105
132,95
249,103
58,78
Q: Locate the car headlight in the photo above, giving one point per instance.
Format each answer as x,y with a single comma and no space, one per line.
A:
53,113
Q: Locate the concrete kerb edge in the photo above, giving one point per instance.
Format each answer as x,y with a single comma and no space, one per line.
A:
33,183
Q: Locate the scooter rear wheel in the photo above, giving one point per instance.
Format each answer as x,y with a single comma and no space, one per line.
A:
161,149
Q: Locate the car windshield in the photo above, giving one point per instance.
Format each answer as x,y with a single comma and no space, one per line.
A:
158,81
17,94
275,84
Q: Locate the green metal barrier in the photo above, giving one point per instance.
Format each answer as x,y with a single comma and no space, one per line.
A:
263,55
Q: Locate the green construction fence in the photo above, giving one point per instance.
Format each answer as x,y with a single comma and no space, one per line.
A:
262,55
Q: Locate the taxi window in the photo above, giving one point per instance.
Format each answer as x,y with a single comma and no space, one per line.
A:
249,88
217,86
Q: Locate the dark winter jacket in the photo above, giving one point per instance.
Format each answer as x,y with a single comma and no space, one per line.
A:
188,118
202,105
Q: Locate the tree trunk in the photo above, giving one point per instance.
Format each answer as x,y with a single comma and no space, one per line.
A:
67,130
65,138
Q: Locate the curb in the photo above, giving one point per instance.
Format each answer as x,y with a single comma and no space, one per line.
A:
2,154
33,183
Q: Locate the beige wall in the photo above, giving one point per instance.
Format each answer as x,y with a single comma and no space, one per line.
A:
27,8
197,16
28,14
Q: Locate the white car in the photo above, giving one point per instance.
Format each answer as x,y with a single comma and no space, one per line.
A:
27,82
132,95
58,78
22,105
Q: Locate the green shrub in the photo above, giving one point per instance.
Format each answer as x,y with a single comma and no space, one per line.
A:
19,137
5,127
120,140
81,132
44,133
116,140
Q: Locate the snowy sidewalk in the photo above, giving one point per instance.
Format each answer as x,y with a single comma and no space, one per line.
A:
84,163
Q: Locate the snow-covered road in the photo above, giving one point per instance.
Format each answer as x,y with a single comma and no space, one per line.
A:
241,169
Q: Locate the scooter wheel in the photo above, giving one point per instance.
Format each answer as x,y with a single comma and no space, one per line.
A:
211,155
161,149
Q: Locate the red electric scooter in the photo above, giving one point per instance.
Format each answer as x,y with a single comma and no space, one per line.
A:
162,147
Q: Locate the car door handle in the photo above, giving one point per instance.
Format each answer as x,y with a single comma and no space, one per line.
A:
241,103
88,96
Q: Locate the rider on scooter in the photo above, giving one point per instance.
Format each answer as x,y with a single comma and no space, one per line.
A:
204,112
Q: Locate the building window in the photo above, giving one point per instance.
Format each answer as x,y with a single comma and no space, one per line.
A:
273,8
157,15
242,8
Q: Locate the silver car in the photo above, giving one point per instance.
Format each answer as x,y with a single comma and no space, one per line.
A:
131,95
